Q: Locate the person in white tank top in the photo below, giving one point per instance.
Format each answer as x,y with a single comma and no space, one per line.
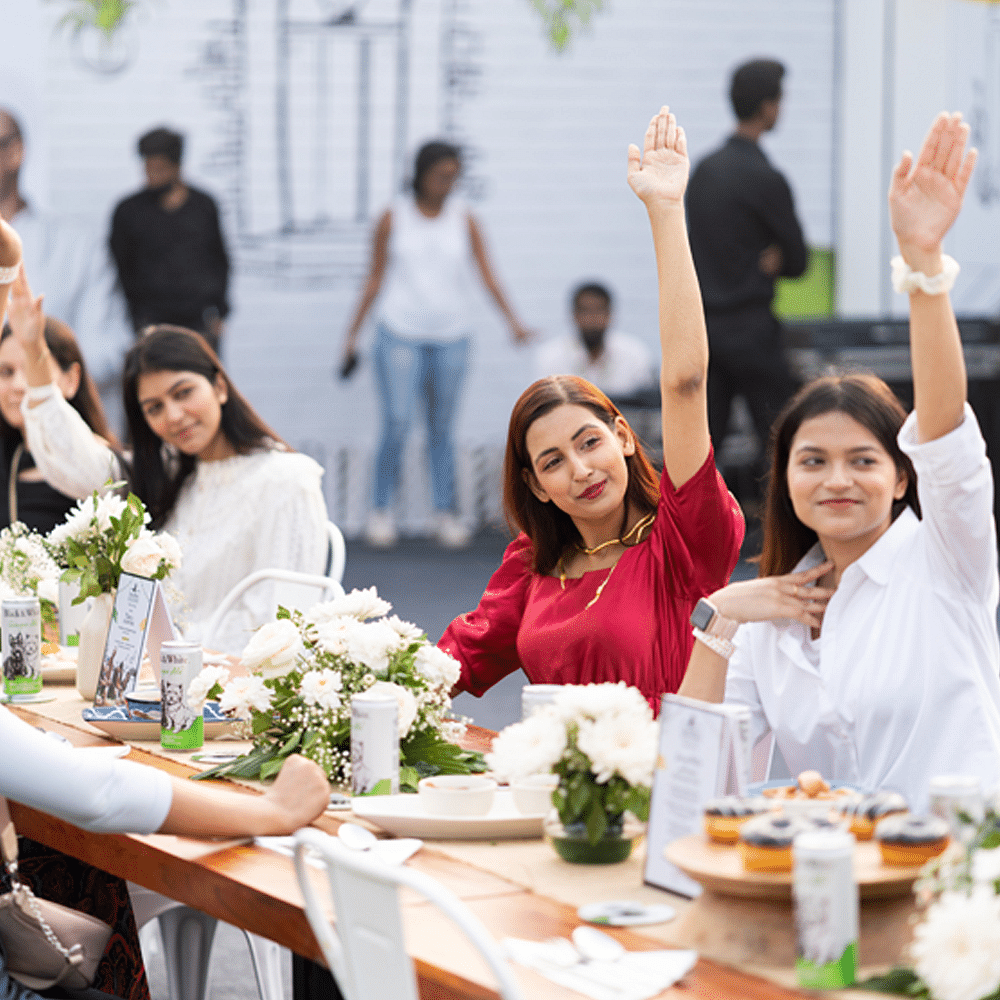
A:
423,253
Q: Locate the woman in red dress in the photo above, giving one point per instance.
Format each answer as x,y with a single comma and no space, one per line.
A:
600,582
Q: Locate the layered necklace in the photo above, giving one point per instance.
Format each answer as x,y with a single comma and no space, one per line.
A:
629,538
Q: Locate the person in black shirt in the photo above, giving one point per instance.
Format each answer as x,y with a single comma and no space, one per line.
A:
744,235
168,246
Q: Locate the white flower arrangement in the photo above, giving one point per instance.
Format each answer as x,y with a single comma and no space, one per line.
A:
600,739
956,944
306,666
27,569
104,536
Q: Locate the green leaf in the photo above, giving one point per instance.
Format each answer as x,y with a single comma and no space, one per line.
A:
638,803
408,778
900,981
991,841
261,722
271,767
597,821
290,744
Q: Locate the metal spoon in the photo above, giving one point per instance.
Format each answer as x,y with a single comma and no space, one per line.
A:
596,946
357,838
392,852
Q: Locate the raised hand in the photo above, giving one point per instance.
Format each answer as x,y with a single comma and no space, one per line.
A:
24,313
925,197
771,598
660,172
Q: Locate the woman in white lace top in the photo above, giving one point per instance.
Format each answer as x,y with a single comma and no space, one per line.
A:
209,470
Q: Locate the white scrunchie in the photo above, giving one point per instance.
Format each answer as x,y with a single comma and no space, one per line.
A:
905,280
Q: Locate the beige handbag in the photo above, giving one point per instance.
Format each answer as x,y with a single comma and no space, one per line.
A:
46,943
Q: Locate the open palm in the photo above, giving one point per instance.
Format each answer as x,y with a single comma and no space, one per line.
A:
660,171
925,199
24,312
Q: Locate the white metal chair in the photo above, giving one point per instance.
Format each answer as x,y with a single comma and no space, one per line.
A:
337,559
367,953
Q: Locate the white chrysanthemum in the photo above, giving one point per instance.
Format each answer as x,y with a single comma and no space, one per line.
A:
77,524
437,666
620,744
370,644
198,688
142,556
360,604
273,649
404,699
956,947
529,747
576,702
322,687
408,632
108,506
171,549
242,694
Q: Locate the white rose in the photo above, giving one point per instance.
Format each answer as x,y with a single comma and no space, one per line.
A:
322,687
198,688
171,549
48,590
370,644
360,604
243,694
273,649
142,556
441,669
404,699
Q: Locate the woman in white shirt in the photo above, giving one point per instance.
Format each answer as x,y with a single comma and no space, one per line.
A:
209,470
868,645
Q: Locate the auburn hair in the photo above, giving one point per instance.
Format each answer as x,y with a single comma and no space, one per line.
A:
864,398
551,530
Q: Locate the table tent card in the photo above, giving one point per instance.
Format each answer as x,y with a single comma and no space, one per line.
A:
140,620
704,752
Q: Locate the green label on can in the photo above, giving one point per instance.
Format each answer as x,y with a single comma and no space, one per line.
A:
15,687
184,739
832,975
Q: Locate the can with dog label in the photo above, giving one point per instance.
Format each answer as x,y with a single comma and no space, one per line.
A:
374,744
181,728
21,638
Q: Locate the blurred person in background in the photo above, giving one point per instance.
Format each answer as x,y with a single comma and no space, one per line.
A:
745,235
168,245
72,269
423,251
619,365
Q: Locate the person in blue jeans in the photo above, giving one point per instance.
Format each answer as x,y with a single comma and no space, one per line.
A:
425,249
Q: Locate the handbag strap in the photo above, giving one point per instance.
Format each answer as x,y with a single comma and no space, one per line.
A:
8,838
15,464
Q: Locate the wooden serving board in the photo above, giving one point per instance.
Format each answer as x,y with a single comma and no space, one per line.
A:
720,868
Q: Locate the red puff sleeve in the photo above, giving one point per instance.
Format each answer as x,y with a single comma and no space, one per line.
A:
484,641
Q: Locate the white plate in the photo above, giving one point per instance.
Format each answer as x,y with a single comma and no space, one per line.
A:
405,816
149,731
624,913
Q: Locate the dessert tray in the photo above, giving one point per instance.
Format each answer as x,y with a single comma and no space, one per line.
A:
406,816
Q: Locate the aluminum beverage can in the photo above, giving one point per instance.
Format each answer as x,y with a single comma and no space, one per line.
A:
826,909
958,800
180,727
21,643
374,744
533,696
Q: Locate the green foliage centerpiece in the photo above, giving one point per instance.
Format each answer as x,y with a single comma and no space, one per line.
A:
305,667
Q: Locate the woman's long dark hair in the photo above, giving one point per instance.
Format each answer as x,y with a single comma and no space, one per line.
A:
157,476
550,529
62,345
864,398
429,154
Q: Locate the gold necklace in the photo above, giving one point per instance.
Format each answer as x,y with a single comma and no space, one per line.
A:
637,530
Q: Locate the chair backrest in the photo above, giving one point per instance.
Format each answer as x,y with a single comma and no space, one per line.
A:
367,953
290,589
337,558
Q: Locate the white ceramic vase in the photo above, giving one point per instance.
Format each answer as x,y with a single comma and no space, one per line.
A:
93,636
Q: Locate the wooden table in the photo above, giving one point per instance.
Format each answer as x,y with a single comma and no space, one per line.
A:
256,889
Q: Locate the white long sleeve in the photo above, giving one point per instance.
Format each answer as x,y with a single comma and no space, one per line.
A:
239,515
66,451
85,788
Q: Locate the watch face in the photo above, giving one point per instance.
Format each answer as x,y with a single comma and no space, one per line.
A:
702,615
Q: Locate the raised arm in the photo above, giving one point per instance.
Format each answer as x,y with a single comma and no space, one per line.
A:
658,175
10,258
924,200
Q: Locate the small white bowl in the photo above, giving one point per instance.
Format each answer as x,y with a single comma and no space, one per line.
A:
533,795
457,794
